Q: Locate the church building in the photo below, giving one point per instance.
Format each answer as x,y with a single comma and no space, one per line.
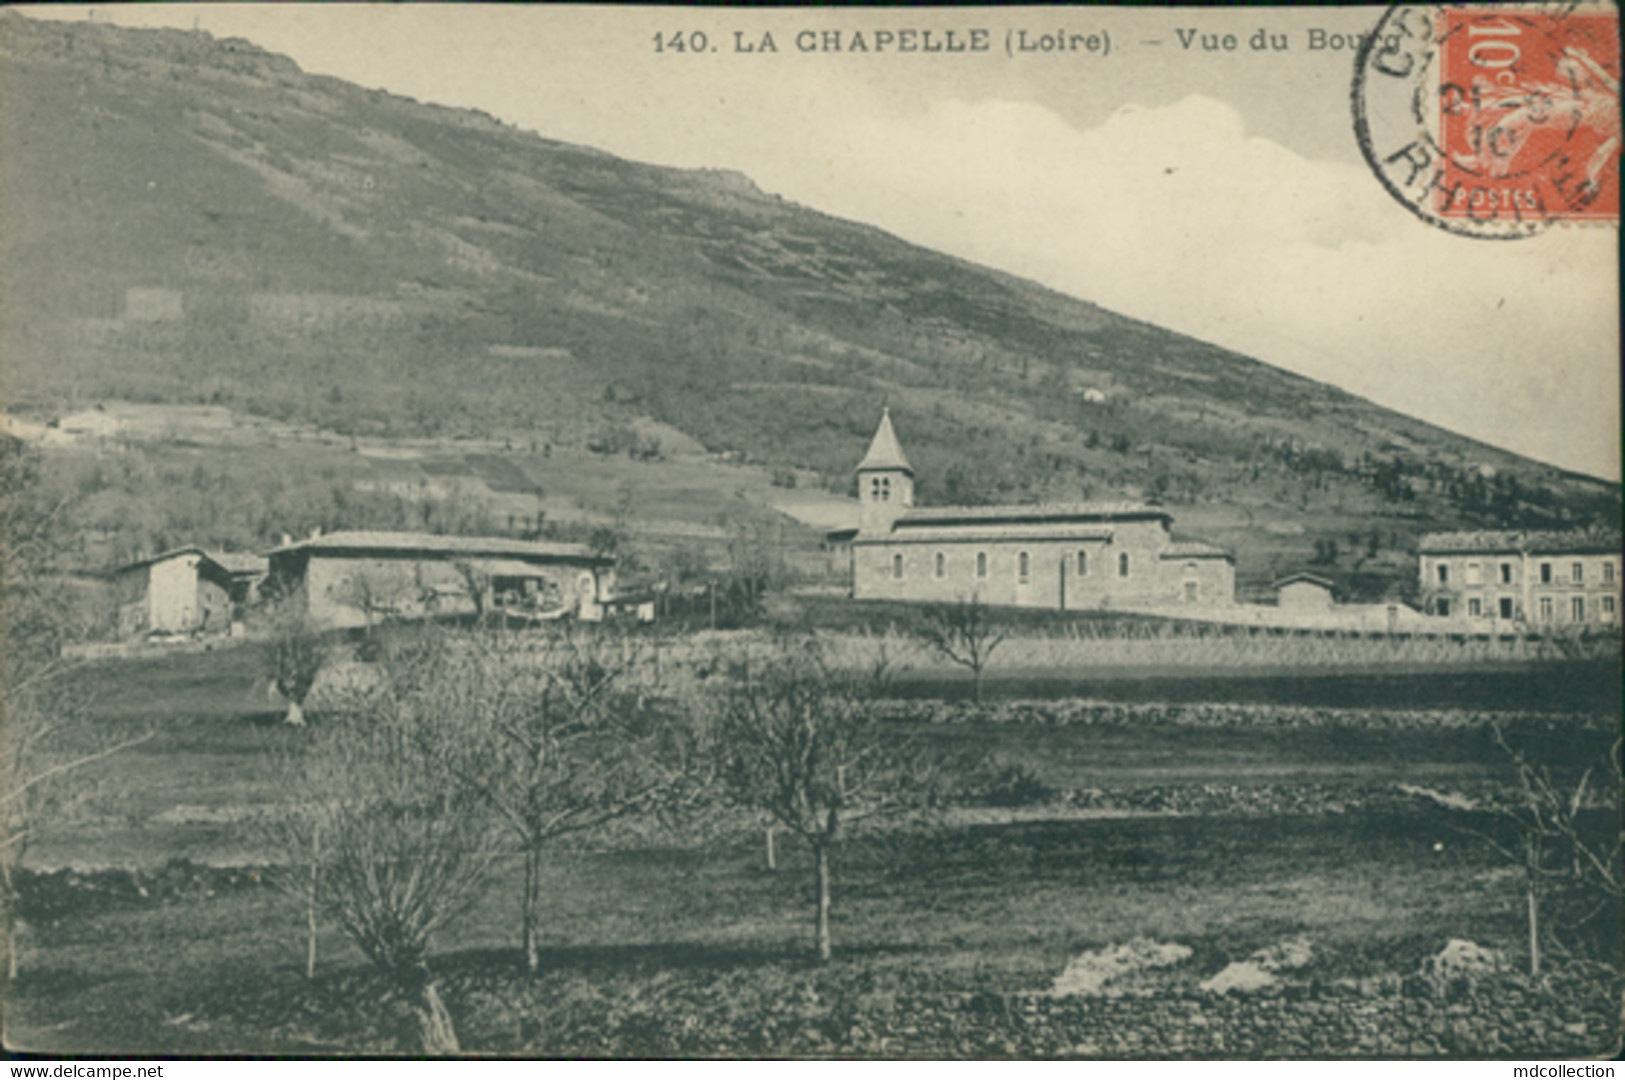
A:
1068,557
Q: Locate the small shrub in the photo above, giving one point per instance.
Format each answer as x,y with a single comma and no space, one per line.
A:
1011,784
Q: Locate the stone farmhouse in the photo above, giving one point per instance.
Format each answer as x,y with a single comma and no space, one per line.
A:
1556,578
183,591
356,579
1068,557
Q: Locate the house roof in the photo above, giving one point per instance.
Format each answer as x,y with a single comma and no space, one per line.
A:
1305,578
1041,521
885,452
204,557
989,533
1047,513
241,563
1527,542
508,568
355,541
1195,549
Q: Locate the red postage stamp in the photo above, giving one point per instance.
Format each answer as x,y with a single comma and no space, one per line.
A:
1494,121
1529,113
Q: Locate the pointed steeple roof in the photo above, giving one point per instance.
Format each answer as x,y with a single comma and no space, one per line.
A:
884,451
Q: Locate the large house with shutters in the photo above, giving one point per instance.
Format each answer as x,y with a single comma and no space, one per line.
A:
1067,557
1539,577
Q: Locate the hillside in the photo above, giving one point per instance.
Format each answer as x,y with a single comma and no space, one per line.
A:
191,220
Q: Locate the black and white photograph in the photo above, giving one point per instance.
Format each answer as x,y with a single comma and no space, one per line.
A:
652,533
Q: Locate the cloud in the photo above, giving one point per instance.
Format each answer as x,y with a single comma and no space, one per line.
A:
1178,216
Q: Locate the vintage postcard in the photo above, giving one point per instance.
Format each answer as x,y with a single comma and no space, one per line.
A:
979,533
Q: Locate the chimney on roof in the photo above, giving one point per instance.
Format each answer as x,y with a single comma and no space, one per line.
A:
287,538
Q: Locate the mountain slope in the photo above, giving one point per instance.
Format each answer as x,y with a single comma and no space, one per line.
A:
190,219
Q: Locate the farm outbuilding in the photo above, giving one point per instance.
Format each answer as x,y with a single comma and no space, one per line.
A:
247,573
182,591
355,579
1305,592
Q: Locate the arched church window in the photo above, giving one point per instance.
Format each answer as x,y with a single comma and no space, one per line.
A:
941,564
1122,564
1083,564
897,566
1024,567
981,564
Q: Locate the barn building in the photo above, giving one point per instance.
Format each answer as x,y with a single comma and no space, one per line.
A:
1536,577
183,591
1076,556
1305,592
357,579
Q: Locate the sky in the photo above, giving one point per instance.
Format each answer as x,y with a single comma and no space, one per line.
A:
1219,192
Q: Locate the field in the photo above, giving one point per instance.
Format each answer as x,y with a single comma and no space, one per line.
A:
1226,824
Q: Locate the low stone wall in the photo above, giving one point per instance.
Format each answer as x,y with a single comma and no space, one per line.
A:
1083,712
1507,1016
1566,1015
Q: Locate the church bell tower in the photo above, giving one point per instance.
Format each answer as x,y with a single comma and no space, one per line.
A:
885,480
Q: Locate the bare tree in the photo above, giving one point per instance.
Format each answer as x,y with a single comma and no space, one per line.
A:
1572,875
964,634
799,741
381,595
46,745
296,658
1564,862
477,584
568,742
46,739
405,844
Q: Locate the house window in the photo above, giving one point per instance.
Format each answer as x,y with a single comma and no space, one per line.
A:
1506,607
1545,573
1506,573
1607,607
940,565
1192,589
1083,564
897,566
1475,607
1444,573
1474,575
1023,568
1443,606
1545,609
1122,564
1577,572
1577,609
1608,570
981,564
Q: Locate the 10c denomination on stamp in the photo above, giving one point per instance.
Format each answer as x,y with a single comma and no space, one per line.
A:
1493,121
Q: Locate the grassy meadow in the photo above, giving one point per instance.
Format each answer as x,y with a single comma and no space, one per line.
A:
151,926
